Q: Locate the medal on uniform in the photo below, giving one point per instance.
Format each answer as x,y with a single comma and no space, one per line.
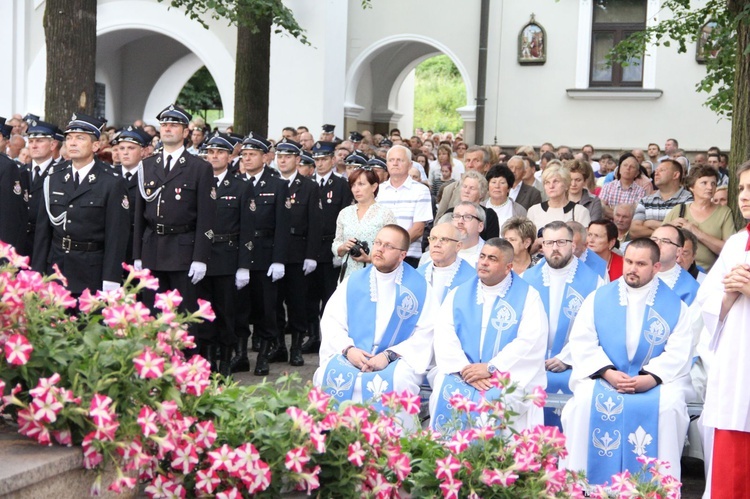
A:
177,192
329,195
252,205
17,188
292,199
148,192
213,192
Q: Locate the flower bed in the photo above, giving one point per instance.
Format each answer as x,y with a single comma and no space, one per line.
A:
112,378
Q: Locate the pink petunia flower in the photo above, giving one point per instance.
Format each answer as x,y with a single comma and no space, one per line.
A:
204,311
149,365
356,454
538,396
296,459
446,467
451,488
18,350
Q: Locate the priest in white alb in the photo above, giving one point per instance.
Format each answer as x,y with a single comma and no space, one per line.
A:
445,270
377,327
631,344
492,322
563,282
725,300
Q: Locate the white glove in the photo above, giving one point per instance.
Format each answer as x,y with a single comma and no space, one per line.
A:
337,261
241,278
138,265
276,271
110,286
309,266
197,271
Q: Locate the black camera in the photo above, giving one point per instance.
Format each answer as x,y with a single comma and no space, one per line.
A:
359,247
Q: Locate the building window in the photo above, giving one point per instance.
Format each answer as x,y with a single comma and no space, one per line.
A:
612,22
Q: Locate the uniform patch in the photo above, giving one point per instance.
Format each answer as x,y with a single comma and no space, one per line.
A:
125,202
252,205
92,178
17,188
226,182
67,177
210,234
213,192
288,204
249,245
182,160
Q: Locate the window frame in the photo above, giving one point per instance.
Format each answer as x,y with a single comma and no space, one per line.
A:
620,31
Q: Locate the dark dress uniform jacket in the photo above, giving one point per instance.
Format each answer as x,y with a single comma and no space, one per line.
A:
230,194
133,195
36,200
306,211
97,212
13,208
335,195
265,233
185,211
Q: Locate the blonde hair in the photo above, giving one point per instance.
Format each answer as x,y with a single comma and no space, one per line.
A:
557,171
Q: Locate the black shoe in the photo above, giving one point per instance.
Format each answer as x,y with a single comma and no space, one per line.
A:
312,343
261,364
278,352
225,355
240,363
256,342
295,357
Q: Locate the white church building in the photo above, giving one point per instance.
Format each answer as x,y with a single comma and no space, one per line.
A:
544,76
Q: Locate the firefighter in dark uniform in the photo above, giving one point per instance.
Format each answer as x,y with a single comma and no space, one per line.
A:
306,218
306,166
82,222
222,278
175,213
42,146
131,143
264,239
335,195
13,196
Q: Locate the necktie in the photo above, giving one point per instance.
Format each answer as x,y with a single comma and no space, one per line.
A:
322,183
128,176
37,171
167,165
75,180
216,181
252,179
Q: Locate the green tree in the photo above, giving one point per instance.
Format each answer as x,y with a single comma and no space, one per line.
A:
200,93
727,62
438,91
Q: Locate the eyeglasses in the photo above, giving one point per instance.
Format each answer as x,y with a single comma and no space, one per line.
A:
377,243
664,240
561,243
441,240
465,218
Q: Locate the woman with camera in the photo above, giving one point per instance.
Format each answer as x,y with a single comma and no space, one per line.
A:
358,224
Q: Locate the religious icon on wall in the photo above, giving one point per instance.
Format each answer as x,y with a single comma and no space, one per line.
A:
532,43
705,46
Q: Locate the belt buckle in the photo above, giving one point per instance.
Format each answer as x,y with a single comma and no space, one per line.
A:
66,243
160,229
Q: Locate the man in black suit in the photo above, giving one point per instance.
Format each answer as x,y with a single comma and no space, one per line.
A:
13,196
305,213
43,148
82,224
175,213
131,143
264,242
335,195
523,194
222,277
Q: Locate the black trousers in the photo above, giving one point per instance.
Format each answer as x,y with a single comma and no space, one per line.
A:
293,293
222,293
320,286
178,280
263,294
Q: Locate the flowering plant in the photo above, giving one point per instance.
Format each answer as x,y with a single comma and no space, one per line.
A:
111,377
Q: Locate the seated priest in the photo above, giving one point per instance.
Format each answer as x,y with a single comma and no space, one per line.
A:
376,330
445,270
492,322
631,345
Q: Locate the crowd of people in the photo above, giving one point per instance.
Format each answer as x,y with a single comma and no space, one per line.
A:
418,263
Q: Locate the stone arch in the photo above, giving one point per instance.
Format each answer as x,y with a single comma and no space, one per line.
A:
375,99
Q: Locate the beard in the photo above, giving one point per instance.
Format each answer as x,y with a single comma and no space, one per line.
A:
557,260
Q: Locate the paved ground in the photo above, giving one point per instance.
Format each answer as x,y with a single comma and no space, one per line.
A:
692,469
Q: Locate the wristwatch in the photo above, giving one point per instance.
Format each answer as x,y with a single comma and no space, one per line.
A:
391,355
491,369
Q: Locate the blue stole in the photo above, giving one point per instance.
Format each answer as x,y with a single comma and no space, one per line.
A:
584,282
595,262
463,273
361,310
627,419
686,287
501,329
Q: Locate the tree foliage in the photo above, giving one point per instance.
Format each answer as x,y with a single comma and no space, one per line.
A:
200,93
438,91
682,27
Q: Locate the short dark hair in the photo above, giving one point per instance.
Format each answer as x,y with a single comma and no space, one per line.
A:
645,242
676,144
680,235
503,245
689,236
557,225
676,165
370,176
501,170
611,228
405,239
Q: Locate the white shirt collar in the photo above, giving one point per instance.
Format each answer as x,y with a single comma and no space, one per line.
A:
670,276
291,178
42,166
513,193
222,175
175,156
84,171
324,178
499,289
